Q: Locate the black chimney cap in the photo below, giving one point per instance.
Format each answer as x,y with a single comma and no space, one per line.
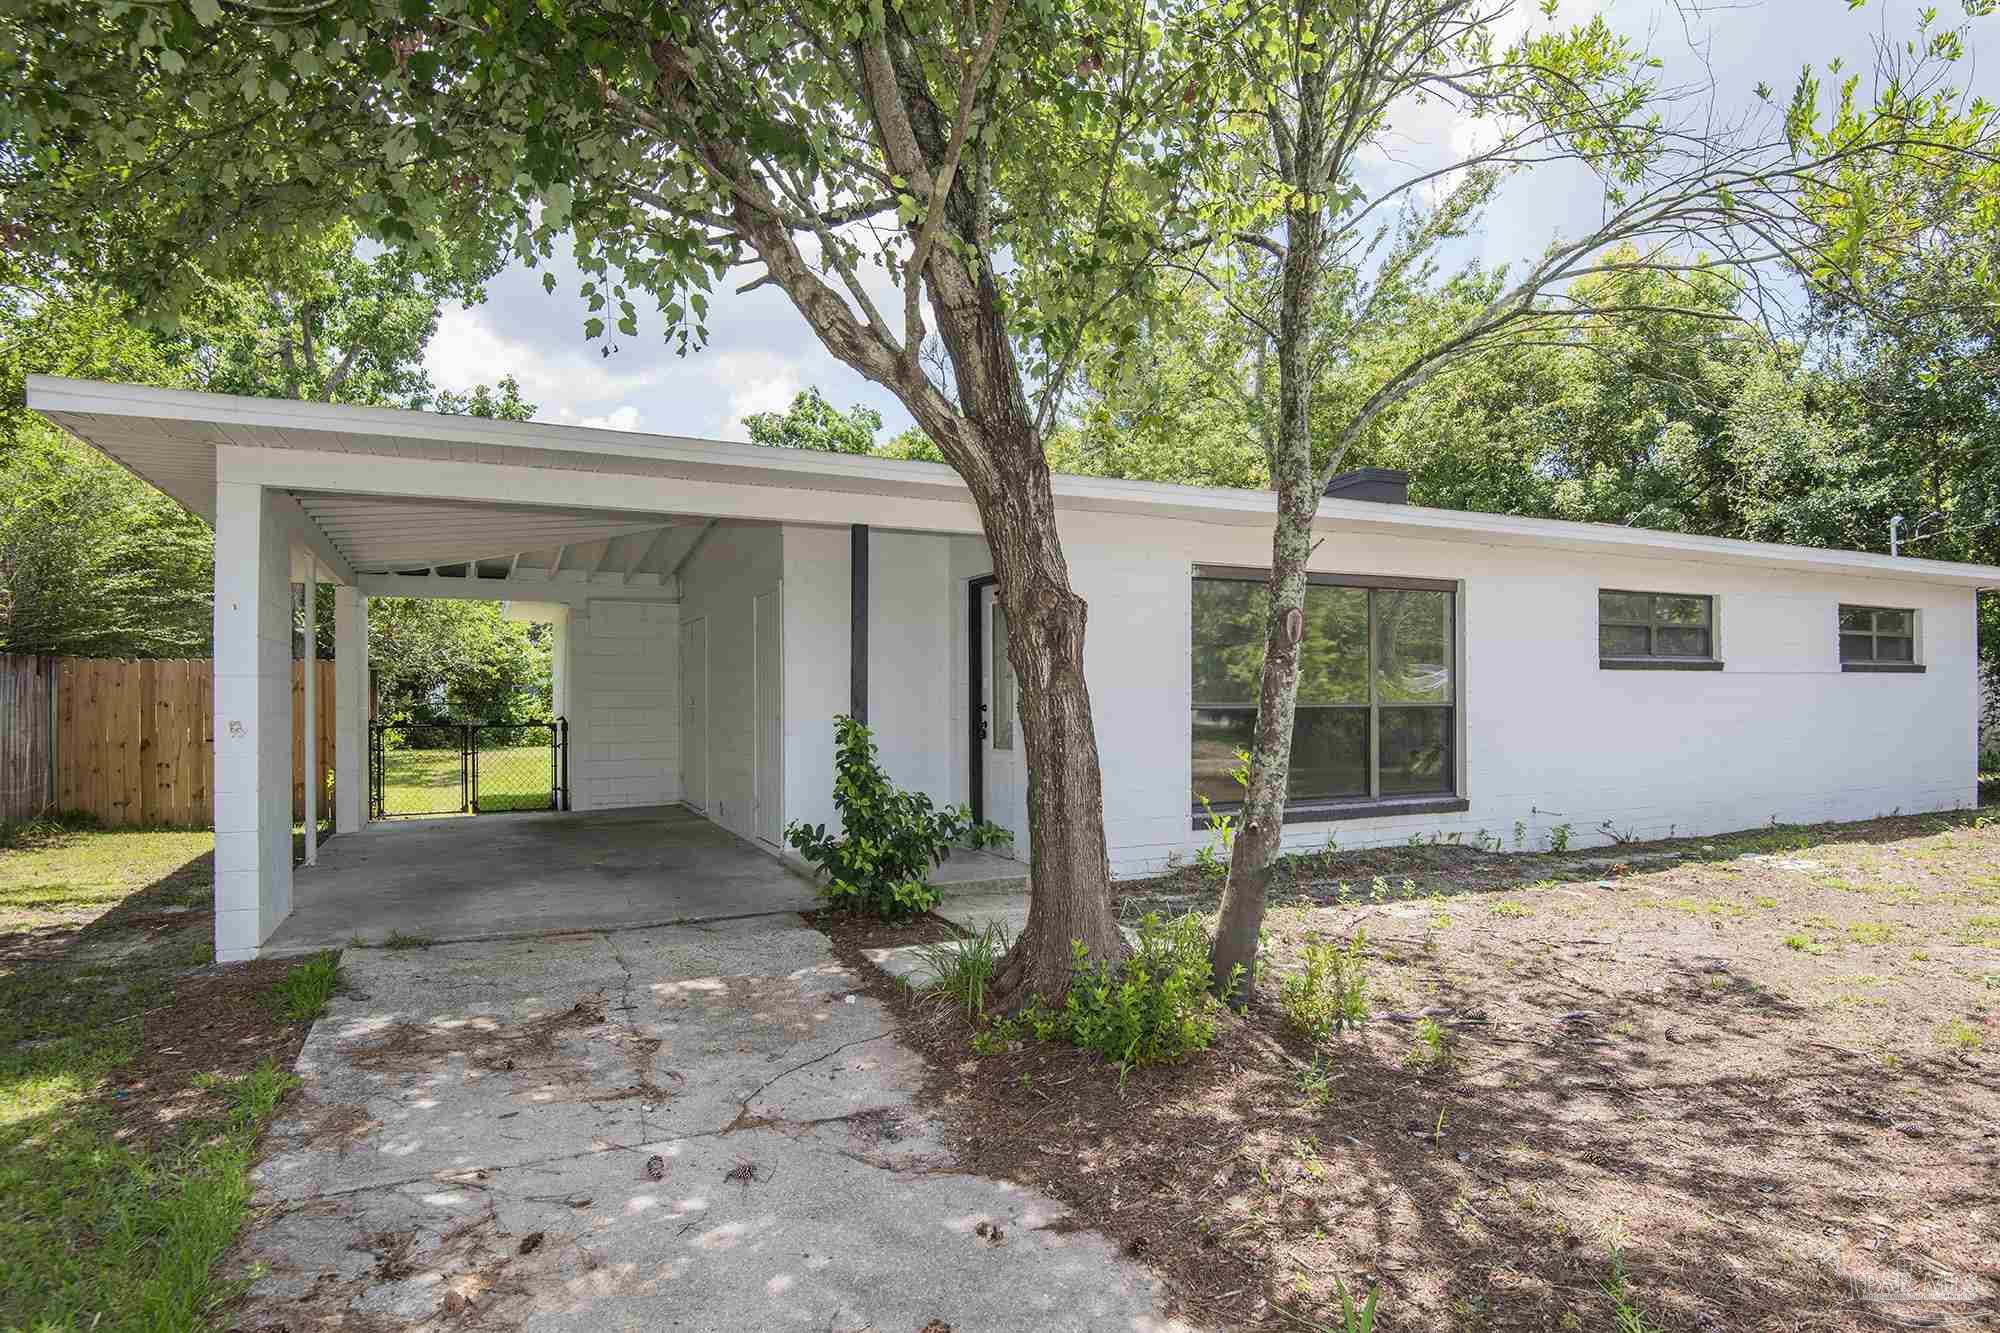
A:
1384,485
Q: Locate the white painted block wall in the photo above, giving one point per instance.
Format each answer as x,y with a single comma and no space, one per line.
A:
718,585
622,698
253,720
1549,737
910,662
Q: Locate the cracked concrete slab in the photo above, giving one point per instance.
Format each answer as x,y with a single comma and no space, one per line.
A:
704,1127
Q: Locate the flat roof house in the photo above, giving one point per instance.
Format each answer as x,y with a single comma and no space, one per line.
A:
719,603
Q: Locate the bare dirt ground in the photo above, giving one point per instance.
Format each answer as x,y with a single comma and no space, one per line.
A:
1753,1073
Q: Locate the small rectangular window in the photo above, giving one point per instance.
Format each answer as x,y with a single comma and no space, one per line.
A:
1872,635
1641,626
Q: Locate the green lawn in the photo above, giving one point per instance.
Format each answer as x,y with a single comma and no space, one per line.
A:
67,880
114,1211
428,782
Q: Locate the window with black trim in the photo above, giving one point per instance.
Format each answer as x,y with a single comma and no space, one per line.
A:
1878,636
1377,688
1649,627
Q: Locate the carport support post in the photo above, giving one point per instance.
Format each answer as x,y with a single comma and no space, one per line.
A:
350,709
253,719
857,634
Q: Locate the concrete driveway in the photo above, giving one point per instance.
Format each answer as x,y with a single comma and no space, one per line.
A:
499,876
693,1127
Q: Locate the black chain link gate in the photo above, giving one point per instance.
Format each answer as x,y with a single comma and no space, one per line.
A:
467,767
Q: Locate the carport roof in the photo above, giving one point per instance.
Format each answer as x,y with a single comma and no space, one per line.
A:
170,437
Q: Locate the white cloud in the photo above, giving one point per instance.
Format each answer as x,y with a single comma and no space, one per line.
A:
623,417
471,348
757,384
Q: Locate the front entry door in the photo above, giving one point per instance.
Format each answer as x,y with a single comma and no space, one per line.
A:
1004,781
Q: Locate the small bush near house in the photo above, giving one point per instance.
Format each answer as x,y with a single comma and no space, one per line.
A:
1153,1007
1332,990
882,861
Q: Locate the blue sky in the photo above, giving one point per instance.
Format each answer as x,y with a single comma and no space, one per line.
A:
760,353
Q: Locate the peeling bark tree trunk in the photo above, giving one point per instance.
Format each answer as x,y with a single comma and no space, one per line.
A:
1260,828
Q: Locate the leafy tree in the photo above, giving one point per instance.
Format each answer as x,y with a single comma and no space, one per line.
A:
673,143
322,321
813,423
1305,262
911,444
444,659
500,401
93,561
96,562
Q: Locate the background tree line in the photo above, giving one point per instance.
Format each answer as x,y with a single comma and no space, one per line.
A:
95,562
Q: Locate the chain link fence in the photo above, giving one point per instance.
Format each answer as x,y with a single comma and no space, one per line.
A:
469,767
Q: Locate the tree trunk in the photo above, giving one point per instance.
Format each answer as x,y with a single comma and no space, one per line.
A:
1068,870
989,437
1069,873
1260,828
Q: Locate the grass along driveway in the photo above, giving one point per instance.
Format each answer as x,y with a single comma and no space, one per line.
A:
1743,1083
134,1078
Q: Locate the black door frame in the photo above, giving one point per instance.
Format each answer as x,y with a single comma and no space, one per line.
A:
975,710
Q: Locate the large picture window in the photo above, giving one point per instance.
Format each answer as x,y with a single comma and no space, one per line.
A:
1377,688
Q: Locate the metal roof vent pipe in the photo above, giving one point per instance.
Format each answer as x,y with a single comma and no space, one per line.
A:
1383,485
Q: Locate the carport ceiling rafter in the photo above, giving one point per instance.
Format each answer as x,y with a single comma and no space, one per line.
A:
452,538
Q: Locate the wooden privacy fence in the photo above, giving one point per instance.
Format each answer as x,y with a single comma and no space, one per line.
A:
27,730
134,742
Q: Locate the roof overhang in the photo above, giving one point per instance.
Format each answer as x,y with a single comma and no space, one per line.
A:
173,438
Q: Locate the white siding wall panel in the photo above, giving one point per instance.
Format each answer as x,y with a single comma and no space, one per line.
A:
623,696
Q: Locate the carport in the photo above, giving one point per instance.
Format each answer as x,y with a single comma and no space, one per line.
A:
714,606
527,874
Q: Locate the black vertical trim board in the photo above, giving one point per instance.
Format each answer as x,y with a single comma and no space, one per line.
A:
975,676
857,638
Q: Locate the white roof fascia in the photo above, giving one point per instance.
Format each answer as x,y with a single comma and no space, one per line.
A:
596,449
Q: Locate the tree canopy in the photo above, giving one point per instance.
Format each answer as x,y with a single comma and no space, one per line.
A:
445,660
813,423
94,561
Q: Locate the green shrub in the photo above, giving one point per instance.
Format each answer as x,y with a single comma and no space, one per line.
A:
1154,1006
881,863
1332,989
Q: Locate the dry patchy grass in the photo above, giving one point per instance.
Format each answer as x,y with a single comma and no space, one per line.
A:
1754,1074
